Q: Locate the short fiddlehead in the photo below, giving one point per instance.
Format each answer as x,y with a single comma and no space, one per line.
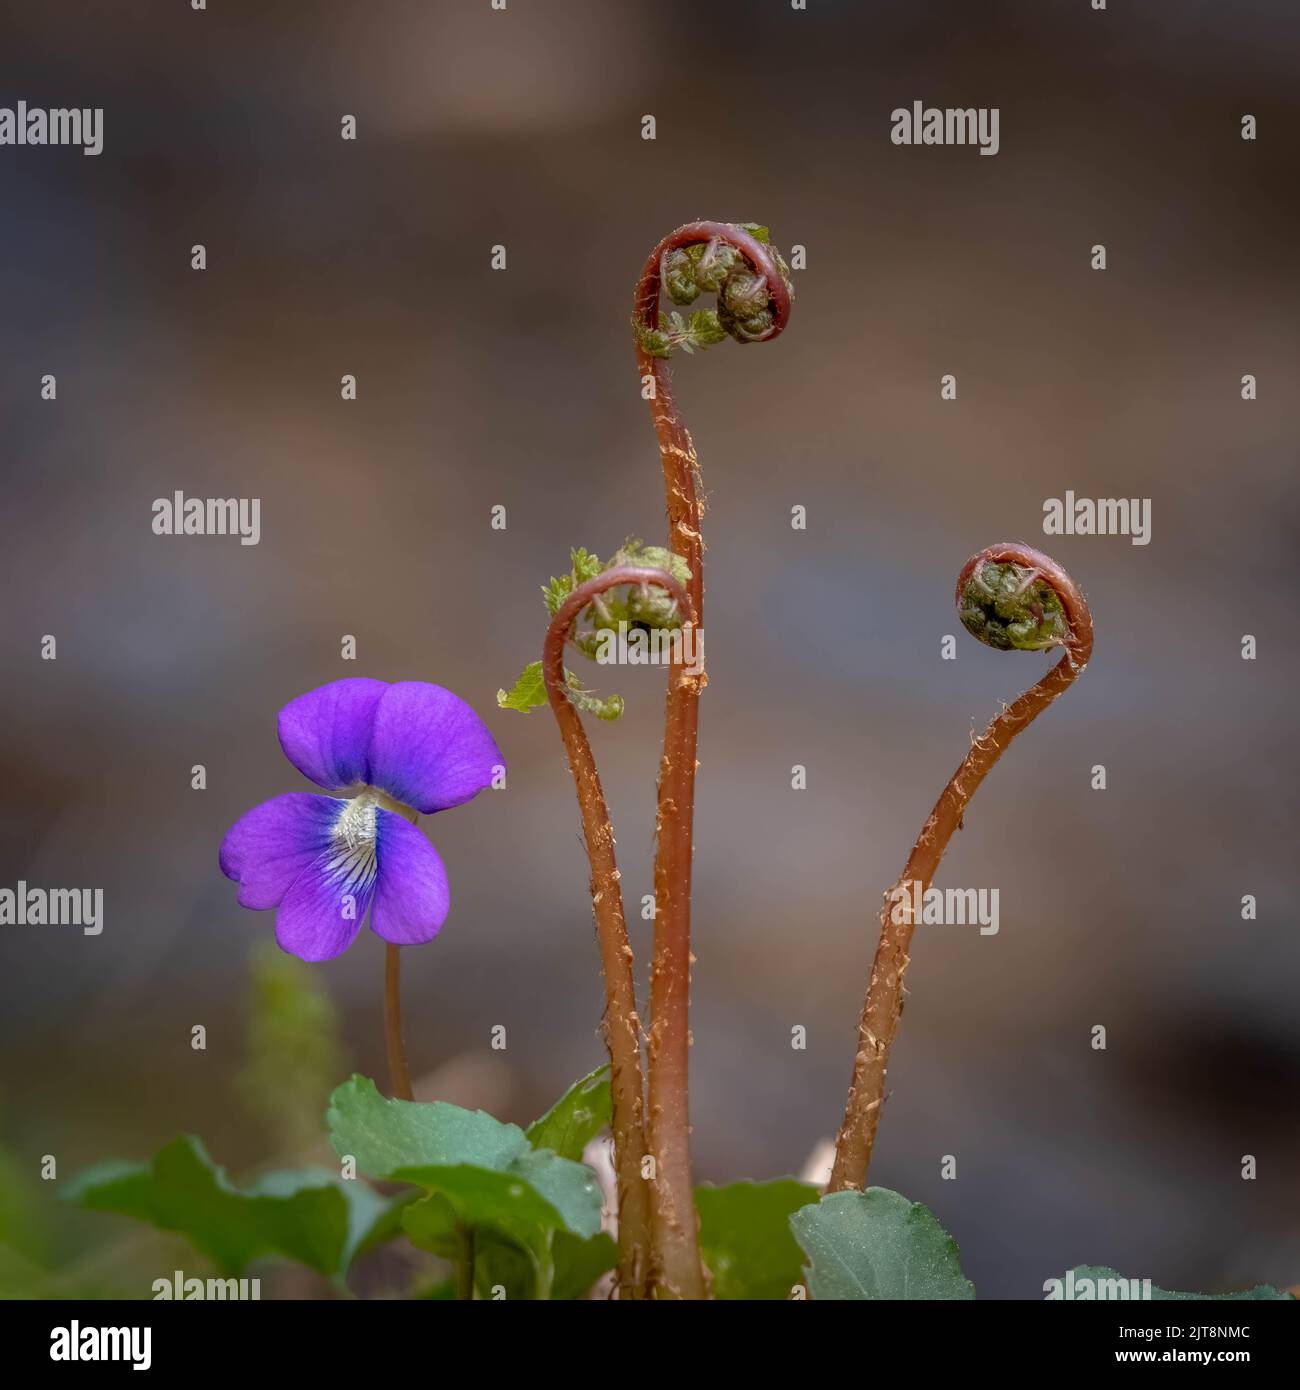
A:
621,1024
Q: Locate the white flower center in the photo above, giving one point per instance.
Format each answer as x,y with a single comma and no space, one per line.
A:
353,863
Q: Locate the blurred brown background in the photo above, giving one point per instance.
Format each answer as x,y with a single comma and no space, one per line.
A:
1119,907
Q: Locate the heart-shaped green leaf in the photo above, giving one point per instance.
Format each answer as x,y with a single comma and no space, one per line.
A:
877,1245
486,1185
308,1215
576,1118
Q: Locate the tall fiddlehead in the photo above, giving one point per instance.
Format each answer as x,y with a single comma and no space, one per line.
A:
734,262
1012,598
621,1024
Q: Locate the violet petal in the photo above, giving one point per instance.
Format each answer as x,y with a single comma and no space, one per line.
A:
268,847
323,911
429,749
326,733
411,896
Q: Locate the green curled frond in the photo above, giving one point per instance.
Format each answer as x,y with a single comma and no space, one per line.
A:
620,610
583,565
713,267
636,606
529,693
606,707
1011,608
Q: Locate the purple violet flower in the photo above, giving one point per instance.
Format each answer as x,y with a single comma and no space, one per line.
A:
323,861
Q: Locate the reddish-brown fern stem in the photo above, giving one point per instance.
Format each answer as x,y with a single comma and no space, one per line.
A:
884,1001
622,1026
676,1226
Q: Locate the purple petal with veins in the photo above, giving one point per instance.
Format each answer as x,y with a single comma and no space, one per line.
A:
268,847
411,894
326,733
429,750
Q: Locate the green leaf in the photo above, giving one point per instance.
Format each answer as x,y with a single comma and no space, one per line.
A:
506,1269
607,707
386,1225
583,565
576,1118
586,565
520,1248
635,551
478,1200
308,1215
652,341
1095,1275
387,1135
579,1263
706,328
877,1245
529,690
562,1270
759,233
479,1166
745,1237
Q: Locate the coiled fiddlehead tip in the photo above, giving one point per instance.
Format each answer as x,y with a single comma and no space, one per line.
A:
1014,598
733,260
673,609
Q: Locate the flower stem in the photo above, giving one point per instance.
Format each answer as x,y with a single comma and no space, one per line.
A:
883,1006
621,1024
465,1264
680,1273
398,1072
